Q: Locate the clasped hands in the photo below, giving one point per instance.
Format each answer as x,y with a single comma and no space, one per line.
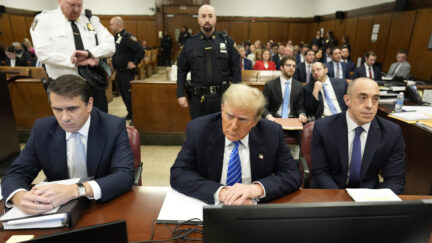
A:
43,198
82,58
241,194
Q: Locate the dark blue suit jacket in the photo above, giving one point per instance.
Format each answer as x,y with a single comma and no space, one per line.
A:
276,59
247,64
331,73
300,73
351,66
198,168
109,156
361,72
384,153
316,107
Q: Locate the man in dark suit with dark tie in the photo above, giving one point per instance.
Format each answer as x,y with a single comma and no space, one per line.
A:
277,57
345,54
246,64
336,68
234,157
368,69
303,71
353,148
324,97
281,103
79,141
303,47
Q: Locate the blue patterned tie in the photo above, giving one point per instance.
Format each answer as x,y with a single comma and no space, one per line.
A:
356,159
234,166
285,105
79,167
329,101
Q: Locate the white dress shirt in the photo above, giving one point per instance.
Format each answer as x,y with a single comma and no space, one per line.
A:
351,133
367,71
12,62
332,94
340,74
283,86
54,43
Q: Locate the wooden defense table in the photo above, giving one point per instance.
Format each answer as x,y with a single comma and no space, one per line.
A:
140,206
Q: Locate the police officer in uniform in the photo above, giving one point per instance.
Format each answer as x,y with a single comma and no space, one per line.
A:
213,61
166,46
128,55
65,38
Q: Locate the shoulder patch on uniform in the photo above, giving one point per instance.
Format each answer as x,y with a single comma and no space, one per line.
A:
133,38
35,22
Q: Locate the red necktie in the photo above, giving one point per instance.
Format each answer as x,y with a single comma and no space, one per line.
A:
241,63
370,73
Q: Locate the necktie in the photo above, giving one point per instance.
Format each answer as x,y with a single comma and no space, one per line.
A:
234,166
77,37
356,159
395,69
337,71
286,100
241,63
370,72
79,167
308,73
329,101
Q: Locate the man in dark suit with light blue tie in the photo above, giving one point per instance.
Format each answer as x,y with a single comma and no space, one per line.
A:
79,141
368,69
336,68
234,157
353,148
305,68
246,64
324,95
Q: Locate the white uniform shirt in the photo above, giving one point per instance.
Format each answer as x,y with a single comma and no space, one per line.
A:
54,43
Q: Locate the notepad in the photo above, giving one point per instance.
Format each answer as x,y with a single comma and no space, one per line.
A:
411,116
372,195
290,123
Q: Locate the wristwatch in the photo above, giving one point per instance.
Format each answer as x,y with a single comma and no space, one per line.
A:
81,190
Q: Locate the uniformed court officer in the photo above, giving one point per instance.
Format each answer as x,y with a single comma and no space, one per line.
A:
65,38
213,61
128,55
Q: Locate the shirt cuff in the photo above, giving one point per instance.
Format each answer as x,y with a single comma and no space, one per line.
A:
216,196
97,193
264,195
10,204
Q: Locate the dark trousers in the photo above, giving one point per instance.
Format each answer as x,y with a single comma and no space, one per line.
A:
124,78
211,104
166,57
100,100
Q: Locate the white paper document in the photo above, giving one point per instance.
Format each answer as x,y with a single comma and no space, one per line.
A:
178,208
372,195
411,115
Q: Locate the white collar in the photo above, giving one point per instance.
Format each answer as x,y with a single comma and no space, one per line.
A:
352,125
84,130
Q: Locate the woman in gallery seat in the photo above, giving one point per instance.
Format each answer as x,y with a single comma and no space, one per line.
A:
265,64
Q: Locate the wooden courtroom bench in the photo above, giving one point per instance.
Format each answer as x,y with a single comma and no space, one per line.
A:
154,60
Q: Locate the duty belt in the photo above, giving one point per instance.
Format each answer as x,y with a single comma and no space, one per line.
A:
202,90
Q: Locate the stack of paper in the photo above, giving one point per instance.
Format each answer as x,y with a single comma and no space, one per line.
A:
290,123
371,195
410,116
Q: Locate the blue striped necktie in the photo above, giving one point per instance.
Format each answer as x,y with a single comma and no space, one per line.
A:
329,101
356,159
234,166
286,100
79,166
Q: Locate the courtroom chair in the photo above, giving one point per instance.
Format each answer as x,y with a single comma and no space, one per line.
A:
135,143
305,154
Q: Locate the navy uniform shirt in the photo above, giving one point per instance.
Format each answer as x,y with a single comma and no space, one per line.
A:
127,50
223,60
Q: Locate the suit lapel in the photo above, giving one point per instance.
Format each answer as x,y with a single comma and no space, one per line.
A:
95,143
256,151
372,142
215,152
341,132
58,158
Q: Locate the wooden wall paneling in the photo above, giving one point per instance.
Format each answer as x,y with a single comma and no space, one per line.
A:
223,26
419,56
258,31
311,30
239,31
147,31
380,46
105,21
298,33
6,37
399,36
18,27
277,31
351,31
28,22
131,26
363,35
339,29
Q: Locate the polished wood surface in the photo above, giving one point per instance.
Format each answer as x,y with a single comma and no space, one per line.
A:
418,151
140,206
419,56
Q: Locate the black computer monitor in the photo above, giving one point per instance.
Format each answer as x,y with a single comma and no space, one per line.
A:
333,222
114,232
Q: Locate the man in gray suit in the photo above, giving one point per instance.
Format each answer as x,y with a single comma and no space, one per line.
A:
401,68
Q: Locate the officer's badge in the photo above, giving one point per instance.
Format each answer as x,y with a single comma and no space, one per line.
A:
35,22
119,39
90,27
133,38
222,48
